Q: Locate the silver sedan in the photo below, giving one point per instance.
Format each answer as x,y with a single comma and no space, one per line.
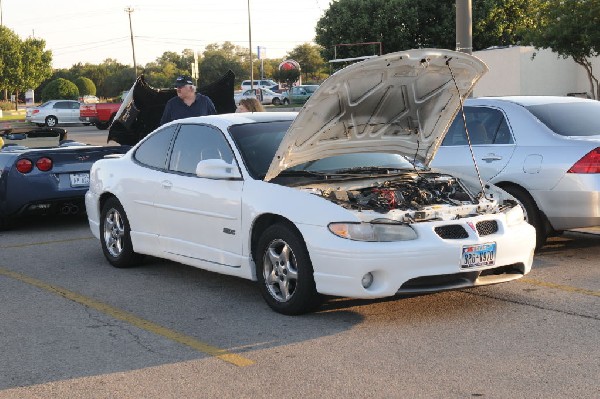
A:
543,150
265,96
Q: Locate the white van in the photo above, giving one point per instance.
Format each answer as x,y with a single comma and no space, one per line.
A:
259,84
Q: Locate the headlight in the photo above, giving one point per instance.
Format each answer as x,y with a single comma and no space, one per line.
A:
515,215
373,231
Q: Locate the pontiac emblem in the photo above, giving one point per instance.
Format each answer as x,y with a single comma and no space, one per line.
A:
472,226
82,157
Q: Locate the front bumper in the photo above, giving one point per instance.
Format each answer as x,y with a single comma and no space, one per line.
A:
427,264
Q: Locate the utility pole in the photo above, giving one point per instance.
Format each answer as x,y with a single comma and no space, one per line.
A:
129,10
464,26
250,46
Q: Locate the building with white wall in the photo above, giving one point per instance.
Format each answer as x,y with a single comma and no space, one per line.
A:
515,71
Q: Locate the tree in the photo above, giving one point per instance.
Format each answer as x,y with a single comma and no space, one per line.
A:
217,60
10,60
310,60
289,76
85,86
571,29
406,24
398,24
60,89
36,65
162,72
503,22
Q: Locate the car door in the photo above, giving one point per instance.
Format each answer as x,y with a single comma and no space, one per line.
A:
62,111
491,139
200,218
74,111
145,181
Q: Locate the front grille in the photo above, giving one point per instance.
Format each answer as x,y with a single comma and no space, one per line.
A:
487,227
451,232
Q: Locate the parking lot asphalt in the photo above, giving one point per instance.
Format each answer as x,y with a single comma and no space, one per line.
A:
73,326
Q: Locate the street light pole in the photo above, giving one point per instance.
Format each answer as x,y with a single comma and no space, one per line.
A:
129,10
250,44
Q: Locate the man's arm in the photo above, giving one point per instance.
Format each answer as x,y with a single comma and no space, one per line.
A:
211,110
166,116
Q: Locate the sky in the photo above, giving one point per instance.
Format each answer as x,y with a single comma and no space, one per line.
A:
90,31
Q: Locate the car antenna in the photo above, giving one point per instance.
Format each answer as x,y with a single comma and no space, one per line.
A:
464,118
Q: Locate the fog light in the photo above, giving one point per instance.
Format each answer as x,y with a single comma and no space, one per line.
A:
367,280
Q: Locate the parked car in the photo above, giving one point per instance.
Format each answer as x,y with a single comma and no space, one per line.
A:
543,150
328,201
99,114
259,84
265,96
42,172
54,112
300,94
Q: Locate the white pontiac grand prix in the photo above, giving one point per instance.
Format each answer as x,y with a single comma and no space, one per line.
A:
334,200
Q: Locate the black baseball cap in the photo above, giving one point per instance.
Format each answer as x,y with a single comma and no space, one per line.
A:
183,80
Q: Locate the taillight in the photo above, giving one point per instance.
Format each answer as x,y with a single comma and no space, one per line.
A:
35,111
590,163
24,165
44,164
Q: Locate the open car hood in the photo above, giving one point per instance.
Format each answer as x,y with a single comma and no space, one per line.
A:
400,103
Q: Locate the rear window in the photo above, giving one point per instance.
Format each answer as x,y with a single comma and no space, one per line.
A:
569,119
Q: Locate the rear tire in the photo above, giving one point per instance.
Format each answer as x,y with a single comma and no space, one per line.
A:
533,215
284,271
276,101
115,236
51,121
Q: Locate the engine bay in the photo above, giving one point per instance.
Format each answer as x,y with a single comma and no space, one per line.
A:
408,197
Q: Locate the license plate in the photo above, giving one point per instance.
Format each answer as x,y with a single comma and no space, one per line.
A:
478,255
80,179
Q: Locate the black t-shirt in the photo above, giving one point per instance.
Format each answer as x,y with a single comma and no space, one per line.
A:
177,109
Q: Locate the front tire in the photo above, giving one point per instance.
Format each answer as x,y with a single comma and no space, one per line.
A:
533,216
115,236
51,121
284,271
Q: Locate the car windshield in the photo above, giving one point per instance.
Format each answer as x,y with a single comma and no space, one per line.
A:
569,119
258,142
311,89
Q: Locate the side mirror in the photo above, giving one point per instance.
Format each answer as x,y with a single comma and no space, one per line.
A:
217,169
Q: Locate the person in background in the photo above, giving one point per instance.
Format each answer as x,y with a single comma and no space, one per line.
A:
187,103
249,105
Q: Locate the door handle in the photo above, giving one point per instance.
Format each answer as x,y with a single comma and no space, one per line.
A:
491,157
166,184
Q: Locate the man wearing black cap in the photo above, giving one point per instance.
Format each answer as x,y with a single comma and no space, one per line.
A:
187,103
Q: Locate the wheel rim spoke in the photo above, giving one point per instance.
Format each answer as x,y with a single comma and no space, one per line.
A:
114,231
279,271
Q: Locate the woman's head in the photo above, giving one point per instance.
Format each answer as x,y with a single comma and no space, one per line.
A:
249,105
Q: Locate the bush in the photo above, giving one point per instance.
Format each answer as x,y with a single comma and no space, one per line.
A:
7,106
60,89
86,86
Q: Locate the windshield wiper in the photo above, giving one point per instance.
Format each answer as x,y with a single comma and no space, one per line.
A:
370,169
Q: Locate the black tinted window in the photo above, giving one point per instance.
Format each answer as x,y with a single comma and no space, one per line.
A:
195,143
153,151
486,126
257,143
569,119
